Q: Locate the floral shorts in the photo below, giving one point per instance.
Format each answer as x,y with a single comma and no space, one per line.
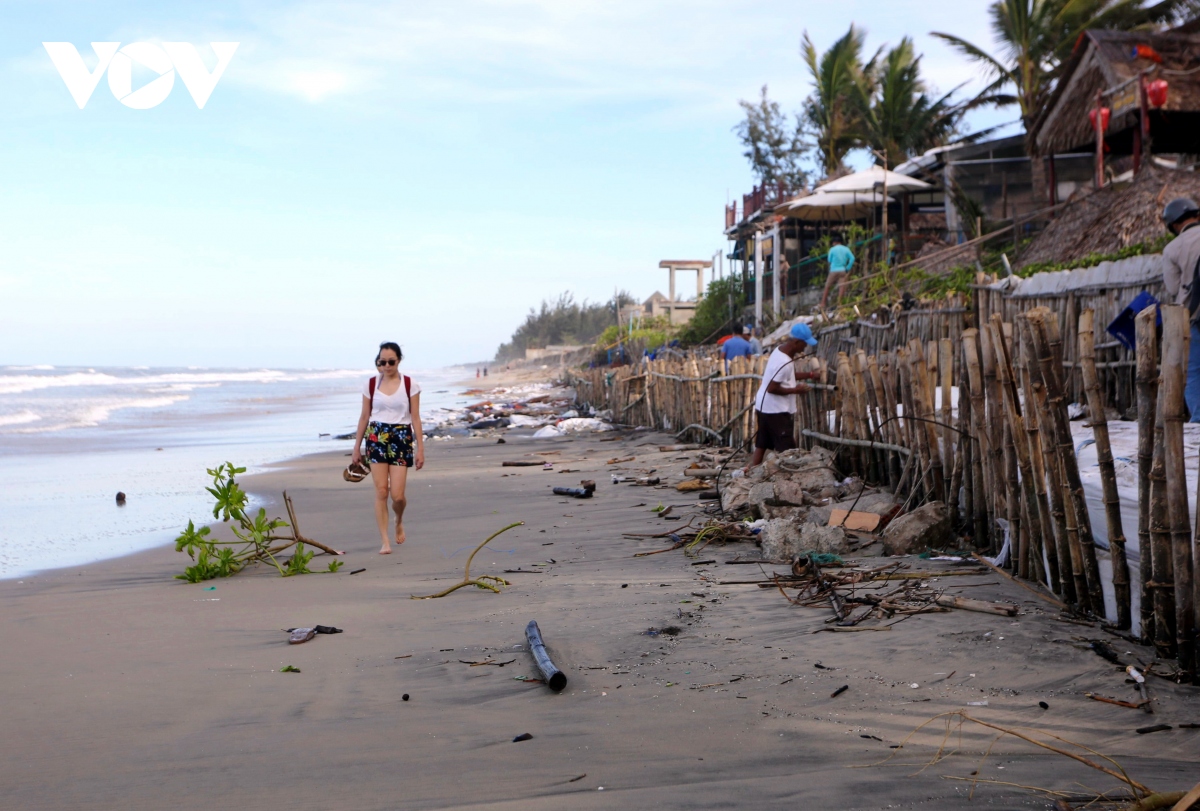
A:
390,444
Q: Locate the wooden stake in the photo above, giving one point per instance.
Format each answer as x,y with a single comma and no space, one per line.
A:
1031,560
1162,581
1050,539
1049,347
1147,397
984,508
1108,472
1174,372
923,400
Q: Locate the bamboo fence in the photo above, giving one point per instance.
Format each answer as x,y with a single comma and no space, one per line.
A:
969,408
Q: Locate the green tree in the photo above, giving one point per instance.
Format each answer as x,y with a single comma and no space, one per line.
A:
830,111
562,321
897,114
774,145
718,310
1037,36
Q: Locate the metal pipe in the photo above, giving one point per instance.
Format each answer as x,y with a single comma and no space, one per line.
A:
556,680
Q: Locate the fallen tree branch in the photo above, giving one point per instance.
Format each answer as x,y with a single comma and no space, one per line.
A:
478,582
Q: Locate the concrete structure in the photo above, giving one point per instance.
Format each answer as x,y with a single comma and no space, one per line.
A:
681,312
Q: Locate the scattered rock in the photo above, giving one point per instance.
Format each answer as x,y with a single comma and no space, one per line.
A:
783,539
927,527
120,499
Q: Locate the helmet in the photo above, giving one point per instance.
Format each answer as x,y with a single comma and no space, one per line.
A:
1178,209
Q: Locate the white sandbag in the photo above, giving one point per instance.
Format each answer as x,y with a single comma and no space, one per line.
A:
549,432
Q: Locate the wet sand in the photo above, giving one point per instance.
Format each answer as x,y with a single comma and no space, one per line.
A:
126,689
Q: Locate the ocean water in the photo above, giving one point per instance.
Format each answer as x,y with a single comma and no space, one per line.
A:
70,438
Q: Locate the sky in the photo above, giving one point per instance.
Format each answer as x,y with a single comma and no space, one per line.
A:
418,172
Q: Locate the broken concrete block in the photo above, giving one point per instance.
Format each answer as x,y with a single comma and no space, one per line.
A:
759,494
783,539
878,503
927,527
789,493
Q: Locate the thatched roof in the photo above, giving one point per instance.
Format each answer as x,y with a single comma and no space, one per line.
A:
1109,61
1112,218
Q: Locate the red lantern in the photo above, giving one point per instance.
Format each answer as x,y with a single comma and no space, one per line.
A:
1156,92
1105,113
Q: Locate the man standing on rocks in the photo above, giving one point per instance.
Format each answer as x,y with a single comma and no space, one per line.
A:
775,403
1181,278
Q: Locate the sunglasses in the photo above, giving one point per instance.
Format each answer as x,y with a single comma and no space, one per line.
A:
386,362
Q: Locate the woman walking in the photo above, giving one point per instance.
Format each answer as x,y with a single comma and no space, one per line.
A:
391,422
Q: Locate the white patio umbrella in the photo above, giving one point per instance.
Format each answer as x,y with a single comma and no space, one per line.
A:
873,179
837,205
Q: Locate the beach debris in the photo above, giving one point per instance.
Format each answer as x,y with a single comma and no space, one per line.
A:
522,463
577,779
690,485
289,669
555,679
1115,701
257,540
120,499
864,521
1043,705
524,736
576,492
404,697
620,460
1155,728
357,571
956,720
967,604
927,527
489,582
300,635
839,691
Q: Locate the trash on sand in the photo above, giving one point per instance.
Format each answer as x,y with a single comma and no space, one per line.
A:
983,703
556,680
646,481
1043,705
1155,728
861,521
404,697
576,492
289,669
839,691
326,629
524,736
521,463
1115,701
120,499
617,461
356,571
1004,609
299,635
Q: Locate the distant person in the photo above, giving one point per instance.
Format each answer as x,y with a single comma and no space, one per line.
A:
1181,278
485,371
751,335
775,402
735,346
841,260
476,372
391,422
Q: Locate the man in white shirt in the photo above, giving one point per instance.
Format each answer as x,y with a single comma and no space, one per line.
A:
1181,263
775,402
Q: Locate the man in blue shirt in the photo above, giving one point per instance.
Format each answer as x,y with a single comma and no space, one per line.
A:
736,346
841,260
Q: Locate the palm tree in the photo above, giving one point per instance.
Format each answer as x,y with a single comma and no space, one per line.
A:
896,114
830,110
1037,36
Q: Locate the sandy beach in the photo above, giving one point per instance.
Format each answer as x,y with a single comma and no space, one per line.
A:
126,689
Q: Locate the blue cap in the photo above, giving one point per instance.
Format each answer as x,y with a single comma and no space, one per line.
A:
801,332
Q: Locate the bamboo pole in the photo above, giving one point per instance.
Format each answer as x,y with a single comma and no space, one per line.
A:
991,422
1174,371
949,457
923,401
985,507
1147,397
1049,347
1163,581
1031,559
1070,559
1108,472
1050,538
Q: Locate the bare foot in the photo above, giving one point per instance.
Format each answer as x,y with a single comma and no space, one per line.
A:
400,537
386,550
